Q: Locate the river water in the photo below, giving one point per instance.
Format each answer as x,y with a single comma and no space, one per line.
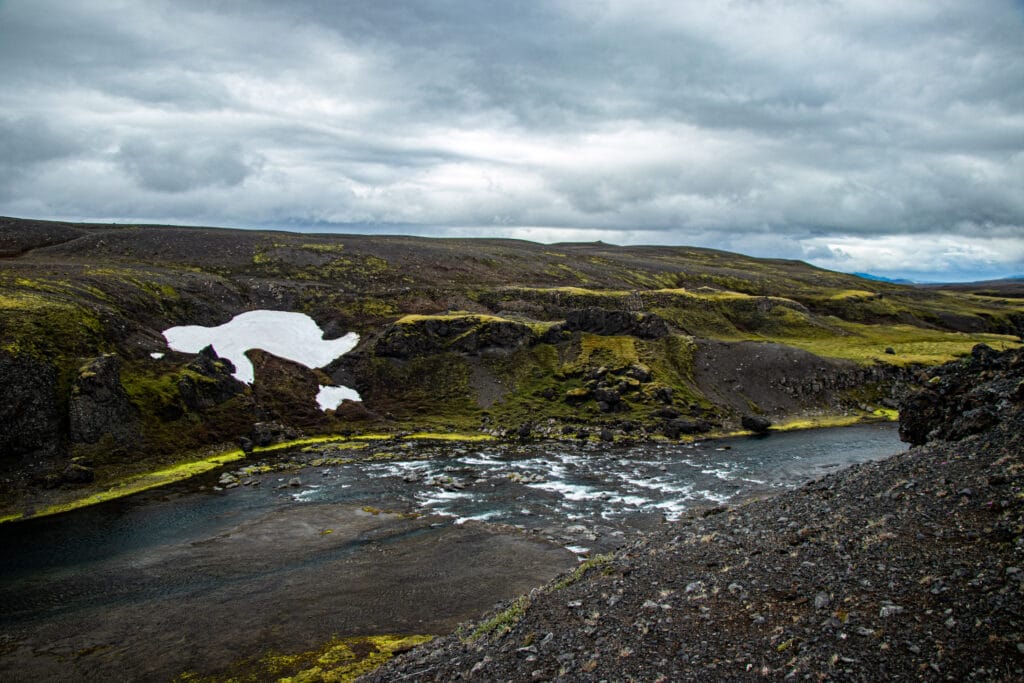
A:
413,540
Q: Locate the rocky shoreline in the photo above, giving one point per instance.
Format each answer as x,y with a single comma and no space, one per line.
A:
909,568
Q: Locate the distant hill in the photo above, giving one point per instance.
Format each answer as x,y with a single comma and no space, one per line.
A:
1012,287
879,278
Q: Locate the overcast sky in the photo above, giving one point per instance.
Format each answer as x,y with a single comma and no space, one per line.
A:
862,135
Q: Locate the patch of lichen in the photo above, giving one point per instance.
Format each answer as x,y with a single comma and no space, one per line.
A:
340,660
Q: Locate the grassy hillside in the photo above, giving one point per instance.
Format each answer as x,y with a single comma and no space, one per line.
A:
456,335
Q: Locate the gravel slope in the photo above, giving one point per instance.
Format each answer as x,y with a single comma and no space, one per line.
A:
910,568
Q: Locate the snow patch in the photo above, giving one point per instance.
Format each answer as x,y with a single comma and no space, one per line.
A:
292,336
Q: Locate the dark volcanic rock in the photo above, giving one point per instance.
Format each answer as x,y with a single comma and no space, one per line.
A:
267,433
963,398
614,322
465,334
28,406
215,382
99,404
675,428
756,423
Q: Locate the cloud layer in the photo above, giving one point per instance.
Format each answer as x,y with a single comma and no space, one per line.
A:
875,136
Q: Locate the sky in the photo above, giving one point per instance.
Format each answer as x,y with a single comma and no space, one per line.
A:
862,136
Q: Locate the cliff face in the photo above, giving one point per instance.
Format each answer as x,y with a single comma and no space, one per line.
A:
505,336
960,399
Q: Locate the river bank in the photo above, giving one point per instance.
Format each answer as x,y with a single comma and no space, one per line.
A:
116,484
907,568
314,550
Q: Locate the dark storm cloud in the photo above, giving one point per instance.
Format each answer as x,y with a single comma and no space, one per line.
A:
834,131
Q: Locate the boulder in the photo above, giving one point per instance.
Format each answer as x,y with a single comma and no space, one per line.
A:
675,428
756,423
267,433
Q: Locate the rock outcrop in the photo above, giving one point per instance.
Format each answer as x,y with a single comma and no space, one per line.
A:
208,381
614,322
99,404
464,334
31,421
964,398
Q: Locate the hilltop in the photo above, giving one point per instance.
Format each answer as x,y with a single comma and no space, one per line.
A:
489,337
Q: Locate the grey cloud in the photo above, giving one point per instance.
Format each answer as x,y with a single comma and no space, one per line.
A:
180,168
32,140
800,119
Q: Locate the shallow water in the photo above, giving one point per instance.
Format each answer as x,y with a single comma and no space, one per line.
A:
234,572
544,485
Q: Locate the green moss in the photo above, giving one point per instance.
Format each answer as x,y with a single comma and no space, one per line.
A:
447,436
340,660
502,622
473,317
596,562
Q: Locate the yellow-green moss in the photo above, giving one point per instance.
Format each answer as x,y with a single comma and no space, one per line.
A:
340,660
502,621
912,345
304,441
11,518
415,318
581,570
444,436
143,482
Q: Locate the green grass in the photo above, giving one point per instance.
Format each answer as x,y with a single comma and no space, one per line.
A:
912,345
502,621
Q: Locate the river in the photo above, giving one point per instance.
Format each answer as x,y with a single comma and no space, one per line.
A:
415,539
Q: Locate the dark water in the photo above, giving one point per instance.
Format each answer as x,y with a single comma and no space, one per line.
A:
588,497
191,578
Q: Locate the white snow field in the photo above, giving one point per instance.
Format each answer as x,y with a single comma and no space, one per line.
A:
293,336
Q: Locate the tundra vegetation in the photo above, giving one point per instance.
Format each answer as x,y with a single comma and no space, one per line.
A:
458,338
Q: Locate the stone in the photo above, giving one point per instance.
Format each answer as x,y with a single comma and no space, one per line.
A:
75,473
756,423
